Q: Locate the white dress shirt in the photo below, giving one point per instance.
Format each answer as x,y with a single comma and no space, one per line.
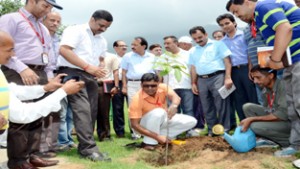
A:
182,57
23,113
85,45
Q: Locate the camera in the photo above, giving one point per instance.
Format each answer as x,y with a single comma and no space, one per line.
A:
66,78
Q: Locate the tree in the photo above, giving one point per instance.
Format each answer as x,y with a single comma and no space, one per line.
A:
7,6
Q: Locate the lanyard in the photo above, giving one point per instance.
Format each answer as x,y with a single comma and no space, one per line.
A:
253,28
271,100
41,37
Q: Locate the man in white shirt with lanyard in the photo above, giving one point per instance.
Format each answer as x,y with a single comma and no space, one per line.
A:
81,48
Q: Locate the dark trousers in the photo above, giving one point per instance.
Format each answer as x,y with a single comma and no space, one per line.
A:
245,89
103,126
84,105
23,139
199,114
215,108
118,111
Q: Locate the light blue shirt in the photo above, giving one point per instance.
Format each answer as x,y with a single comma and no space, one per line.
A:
238,46
137,65
209,58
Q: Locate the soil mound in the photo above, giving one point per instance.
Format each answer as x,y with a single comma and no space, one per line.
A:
213,151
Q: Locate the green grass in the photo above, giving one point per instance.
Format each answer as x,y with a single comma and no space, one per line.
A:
116,150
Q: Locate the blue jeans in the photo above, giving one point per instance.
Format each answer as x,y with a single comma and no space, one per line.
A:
187,101
66,124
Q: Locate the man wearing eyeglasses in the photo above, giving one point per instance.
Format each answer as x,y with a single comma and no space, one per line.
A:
150,116
120,48
278,23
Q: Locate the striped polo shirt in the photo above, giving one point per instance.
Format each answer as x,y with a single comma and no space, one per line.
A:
4,97
269,14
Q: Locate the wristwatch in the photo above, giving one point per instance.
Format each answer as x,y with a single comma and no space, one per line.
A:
117,87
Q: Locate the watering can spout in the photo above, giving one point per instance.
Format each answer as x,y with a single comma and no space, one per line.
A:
229,138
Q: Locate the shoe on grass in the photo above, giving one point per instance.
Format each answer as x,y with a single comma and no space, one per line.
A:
262,143
285,152
296,163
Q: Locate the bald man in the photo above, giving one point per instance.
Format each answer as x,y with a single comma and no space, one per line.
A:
51,123
24,113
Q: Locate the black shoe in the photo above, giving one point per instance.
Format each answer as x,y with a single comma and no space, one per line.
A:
98,157
148,147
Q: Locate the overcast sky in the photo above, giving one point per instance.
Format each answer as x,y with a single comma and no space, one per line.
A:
152,19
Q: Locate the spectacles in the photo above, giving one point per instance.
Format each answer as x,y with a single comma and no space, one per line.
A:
147,86
122,46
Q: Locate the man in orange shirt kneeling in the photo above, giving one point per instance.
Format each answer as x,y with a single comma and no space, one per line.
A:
150,116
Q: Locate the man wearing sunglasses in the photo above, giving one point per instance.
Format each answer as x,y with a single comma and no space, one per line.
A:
150,116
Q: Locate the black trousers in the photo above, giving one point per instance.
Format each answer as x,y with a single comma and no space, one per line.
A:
84,105
103,126
245,89
23,139
118,111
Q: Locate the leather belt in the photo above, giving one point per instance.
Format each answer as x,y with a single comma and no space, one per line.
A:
36,67
239,66
211,74
134,80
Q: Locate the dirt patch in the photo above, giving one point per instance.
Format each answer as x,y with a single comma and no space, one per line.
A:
212,152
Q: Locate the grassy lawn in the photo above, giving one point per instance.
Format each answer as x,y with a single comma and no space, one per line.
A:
116,150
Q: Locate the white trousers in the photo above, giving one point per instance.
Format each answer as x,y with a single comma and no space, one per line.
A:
157,122
132,88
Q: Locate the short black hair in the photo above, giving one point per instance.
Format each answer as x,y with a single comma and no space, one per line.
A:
174,38
143,41
194,30
102,14
236,2
225,16
116,43
147,77
264,71
151,47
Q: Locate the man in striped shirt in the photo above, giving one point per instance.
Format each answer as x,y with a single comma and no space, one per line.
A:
278,22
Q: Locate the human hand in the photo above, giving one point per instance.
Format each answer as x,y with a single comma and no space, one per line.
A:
195,89
72,87
3,121
124,90
246,124
228,82
172,110
162,139
114,91
29,77
275,65
54,83
96,71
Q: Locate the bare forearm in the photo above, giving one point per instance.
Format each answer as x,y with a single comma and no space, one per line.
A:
228,66
193,75
269,117
283,37
71,57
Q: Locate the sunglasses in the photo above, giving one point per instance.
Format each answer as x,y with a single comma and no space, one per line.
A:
147,86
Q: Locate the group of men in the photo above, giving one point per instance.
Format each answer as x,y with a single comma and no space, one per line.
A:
81,54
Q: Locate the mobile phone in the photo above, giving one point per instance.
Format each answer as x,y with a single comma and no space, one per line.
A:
66,78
